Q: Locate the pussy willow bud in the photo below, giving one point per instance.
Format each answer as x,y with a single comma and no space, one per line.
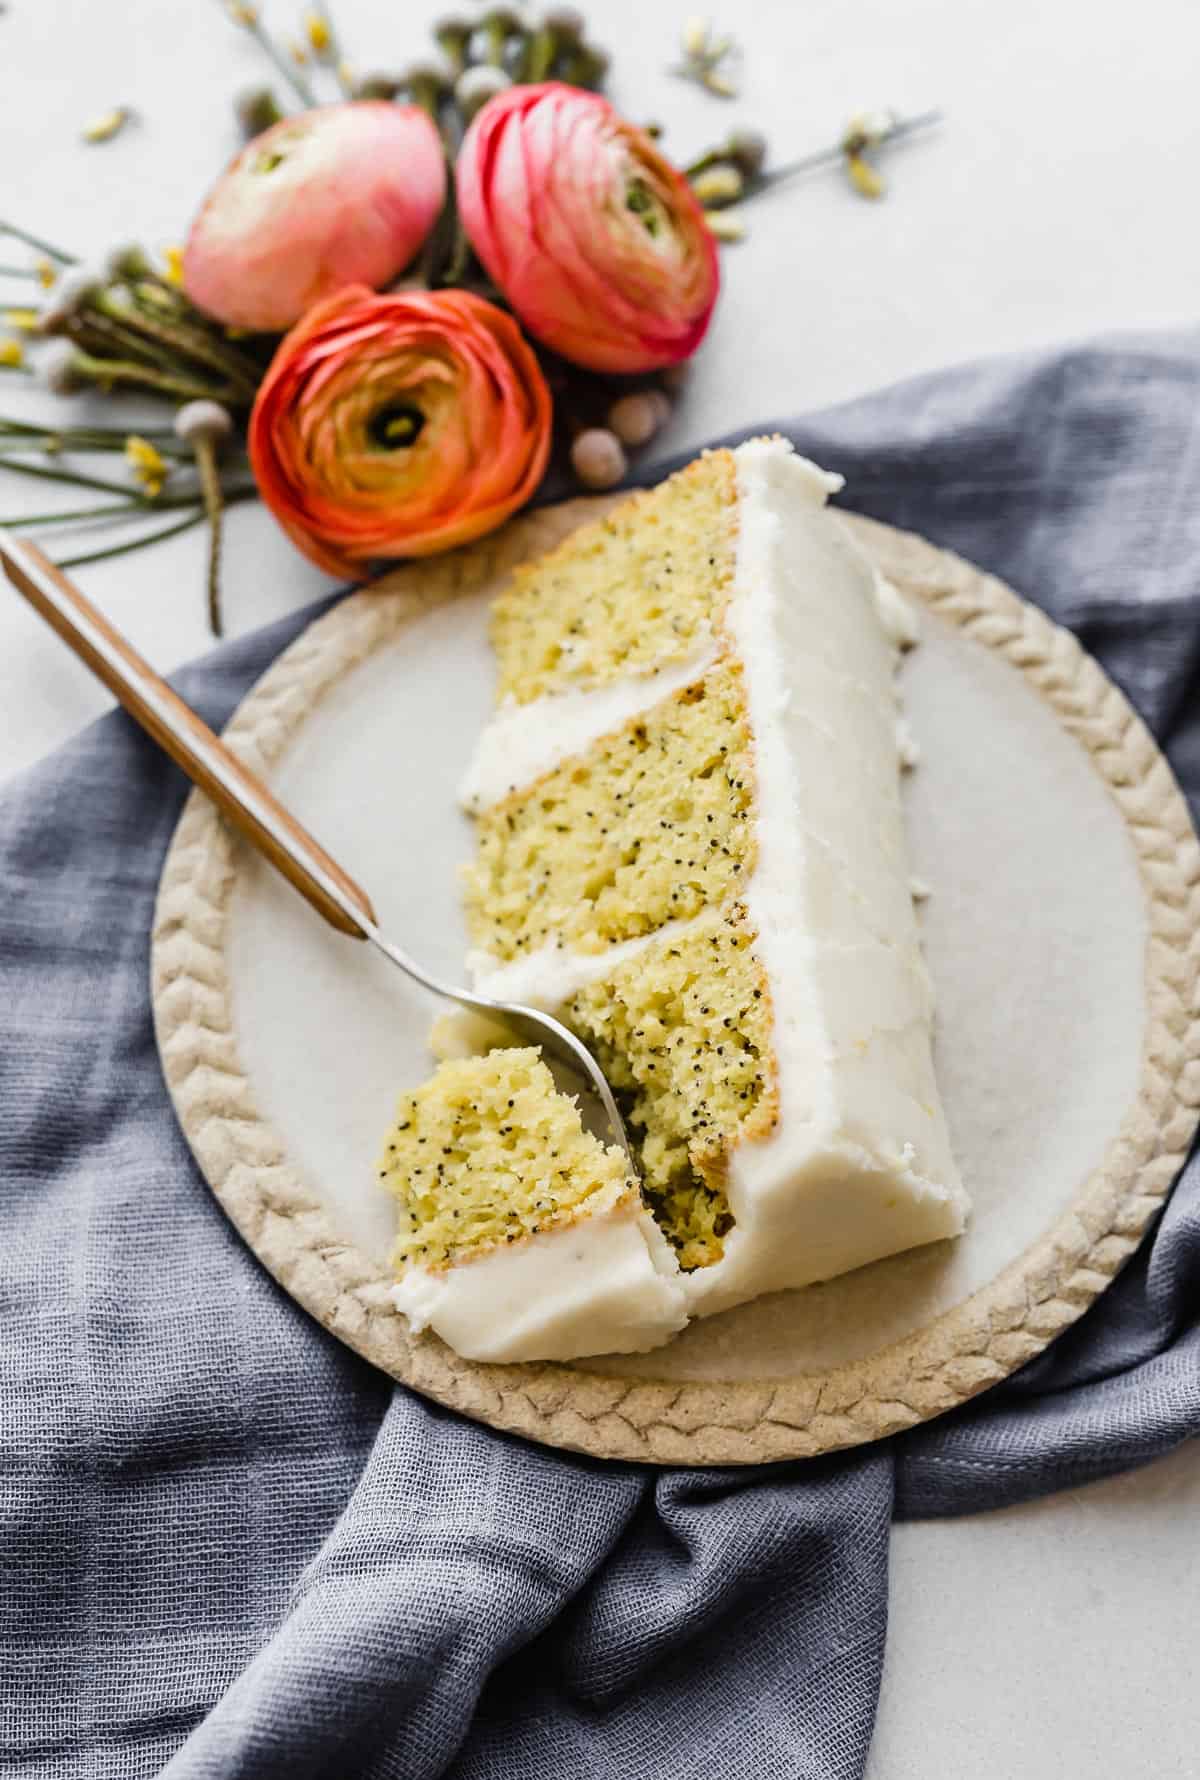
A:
199,421
62,369
597,458
585,67
256,109
127,261
636,418
426,86
73,290
452,35
377,86
495,29
567,23
476,86
747,149
718,186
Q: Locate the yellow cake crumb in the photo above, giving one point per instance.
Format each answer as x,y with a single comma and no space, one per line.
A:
683,1032
635,589
651,825
488,1152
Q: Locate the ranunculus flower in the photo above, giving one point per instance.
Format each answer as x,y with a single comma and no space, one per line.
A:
596,240
341,195
399,425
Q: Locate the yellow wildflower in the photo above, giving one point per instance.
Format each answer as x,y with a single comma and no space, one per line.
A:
12,354
863,176
316,29
46,271
25,321
149,466
242,14
173,265
298,54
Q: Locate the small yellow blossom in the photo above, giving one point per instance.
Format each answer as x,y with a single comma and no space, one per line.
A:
863,176
242,14
149,466
298,54
25,321
316,29
173,266
46,271
725,225
12,354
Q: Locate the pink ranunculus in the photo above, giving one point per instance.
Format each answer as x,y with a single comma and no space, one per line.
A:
400,425
596,240
341,195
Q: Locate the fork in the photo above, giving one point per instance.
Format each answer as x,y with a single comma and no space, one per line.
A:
257,815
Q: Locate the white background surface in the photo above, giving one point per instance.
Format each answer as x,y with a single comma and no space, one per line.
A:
1055,1639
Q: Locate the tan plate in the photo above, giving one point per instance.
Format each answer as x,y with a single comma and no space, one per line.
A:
1063,934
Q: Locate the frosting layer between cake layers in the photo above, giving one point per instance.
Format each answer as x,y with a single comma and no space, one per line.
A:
842,1155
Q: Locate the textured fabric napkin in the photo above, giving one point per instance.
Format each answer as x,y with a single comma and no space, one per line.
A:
231,1549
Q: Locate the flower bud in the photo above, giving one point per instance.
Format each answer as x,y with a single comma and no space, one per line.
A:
473,89
63,369
718,186
127,262
199,421
340,195
256,109
747,149
377,86
595,239
597,458
636,418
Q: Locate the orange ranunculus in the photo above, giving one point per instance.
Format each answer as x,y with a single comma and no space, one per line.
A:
338,196
595,239
400,425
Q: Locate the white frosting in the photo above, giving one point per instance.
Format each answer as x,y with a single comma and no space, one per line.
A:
608,1284
548,978
523,742
859,1162
858,1165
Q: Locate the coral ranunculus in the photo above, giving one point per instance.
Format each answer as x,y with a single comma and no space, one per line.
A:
341,195
393,426
595,239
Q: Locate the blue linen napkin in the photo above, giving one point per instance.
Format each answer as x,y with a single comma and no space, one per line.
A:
230,1548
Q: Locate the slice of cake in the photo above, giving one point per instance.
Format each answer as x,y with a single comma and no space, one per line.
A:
520,1236
691,848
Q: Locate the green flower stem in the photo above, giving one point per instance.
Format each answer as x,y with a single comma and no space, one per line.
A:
830,157
17,272
73,515
210,485
18,370
335,57
180,338
38,245
254,25
108,372
165,435
77,479
99,335
539,55
196,517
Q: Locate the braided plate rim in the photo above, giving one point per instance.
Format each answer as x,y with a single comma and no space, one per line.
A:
973,1345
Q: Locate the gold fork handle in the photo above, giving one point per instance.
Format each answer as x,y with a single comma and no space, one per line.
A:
237,792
